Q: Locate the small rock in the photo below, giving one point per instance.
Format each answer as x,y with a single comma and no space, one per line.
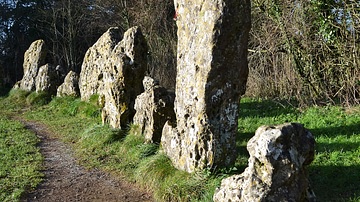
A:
277,170
47,79
70,87
153,108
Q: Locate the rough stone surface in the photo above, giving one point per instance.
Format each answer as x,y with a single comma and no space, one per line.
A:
123,77
279,156
211,75
153,108
34,58
48,79
95,60
70,87
114,70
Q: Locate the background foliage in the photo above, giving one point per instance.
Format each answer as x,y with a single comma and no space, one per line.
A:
307,50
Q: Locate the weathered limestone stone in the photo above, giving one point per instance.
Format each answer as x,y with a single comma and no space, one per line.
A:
47,79
96,58
153,108
211,75
122,76
114,70
279,156
70,87
33,59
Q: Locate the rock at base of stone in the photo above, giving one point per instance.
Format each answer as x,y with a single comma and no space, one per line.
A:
70,87
48,79
277,170
153,108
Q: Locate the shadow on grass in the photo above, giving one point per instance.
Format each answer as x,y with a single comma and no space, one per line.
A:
337,133
117,135
265,108
335,183
347,130
243,154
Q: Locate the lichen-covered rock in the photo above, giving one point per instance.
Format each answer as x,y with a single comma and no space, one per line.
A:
95,60
277,170
47,79
122,77
153,108
70,87
211,75
114,70
34,58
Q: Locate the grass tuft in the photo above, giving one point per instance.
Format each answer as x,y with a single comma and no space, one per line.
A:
38,99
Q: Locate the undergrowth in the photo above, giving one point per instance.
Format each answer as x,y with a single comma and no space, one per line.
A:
334,174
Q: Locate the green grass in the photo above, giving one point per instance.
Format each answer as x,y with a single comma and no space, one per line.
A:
20,160
121,152
334,174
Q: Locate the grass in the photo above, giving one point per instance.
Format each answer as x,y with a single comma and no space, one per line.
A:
121,152
334,174
20,160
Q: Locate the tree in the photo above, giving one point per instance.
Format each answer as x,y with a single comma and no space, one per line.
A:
18,30
305,49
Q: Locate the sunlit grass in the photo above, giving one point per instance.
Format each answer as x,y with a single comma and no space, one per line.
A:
122,152
20,160
334,174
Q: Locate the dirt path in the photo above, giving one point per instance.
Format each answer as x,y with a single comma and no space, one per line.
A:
65,180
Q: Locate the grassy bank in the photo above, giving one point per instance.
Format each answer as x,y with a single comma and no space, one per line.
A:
121,152
20,160
334,174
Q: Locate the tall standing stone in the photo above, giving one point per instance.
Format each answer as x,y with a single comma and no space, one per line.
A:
114,68
34,58
95,60
211,76
123,77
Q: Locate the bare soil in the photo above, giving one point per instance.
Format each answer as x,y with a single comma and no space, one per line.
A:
66,180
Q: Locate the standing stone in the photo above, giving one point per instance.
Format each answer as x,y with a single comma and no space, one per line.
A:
95,60
47,79
33,59
122,76
211,76
70,87
277,170
114,70
153,108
